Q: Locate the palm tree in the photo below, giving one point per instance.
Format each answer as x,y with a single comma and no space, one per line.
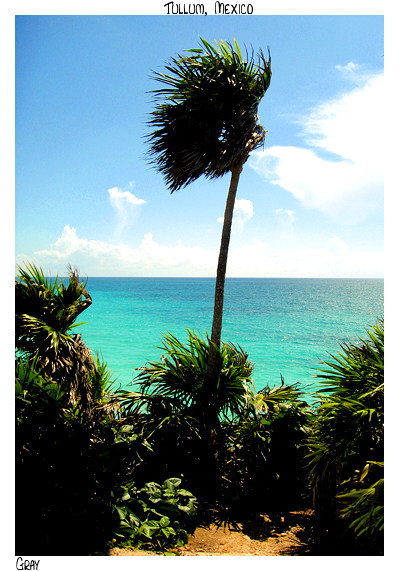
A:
206,123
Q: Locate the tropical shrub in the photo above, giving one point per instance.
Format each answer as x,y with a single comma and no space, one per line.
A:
181,415
64,406
250,445
45,314
264,458
31,388
179,380
154,516
65,468
365,508
347,442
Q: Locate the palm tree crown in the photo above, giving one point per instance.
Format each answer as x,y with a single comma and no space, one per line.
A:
206,117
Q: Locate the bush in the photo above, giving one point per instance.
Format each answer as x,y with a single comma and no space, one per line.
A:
63,407
250,446
45,315
347,443
64,471
265,470
181,415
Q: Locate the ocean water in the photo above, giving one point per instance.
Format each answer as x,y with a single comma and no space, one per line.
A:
287,326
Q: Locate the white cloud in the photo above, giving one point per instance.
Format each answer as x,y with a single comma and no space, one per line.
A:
354,72
330,260
117,195
96,258
349,68
100,258
244,207
342,174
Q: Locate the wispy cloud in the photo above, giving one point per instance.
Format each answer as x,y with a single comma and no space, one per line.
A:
340,170
257,259
126,206
286,219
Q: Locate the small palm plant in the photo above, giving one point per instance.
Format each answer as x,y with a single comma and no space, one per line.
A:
176,384
264,459
175,411
347,441
45,315
206,123
62,409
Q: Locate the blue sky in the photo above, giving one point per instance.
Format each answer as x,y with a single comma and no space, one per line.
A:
310,204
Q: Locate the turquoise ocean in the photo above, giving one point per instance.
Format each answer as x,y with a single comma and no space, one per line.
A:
287,326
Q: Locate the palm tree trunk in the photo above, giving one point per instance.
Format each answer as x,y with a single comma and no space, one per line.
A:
221,276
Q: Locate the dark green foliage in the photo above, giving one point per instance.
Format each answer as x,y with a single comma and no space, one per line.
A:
85,467
64,485
55,371
71,452
34,390
154,516
66,468
177,411
63,409
206,117
348,439
249,446
364,508
264,459
45,314
178,381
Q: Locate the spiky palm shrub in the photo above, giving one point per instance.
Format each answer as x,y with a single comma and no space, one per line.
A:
63,476
347,442
174,409
50,477
45,315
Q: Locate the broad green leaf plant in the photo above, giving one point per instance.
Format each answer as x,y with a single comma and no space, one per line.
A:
156,516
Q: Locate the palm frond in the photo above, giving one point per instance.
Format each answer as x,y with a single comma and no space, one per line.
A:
205,121
45,313
348,431
177,382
